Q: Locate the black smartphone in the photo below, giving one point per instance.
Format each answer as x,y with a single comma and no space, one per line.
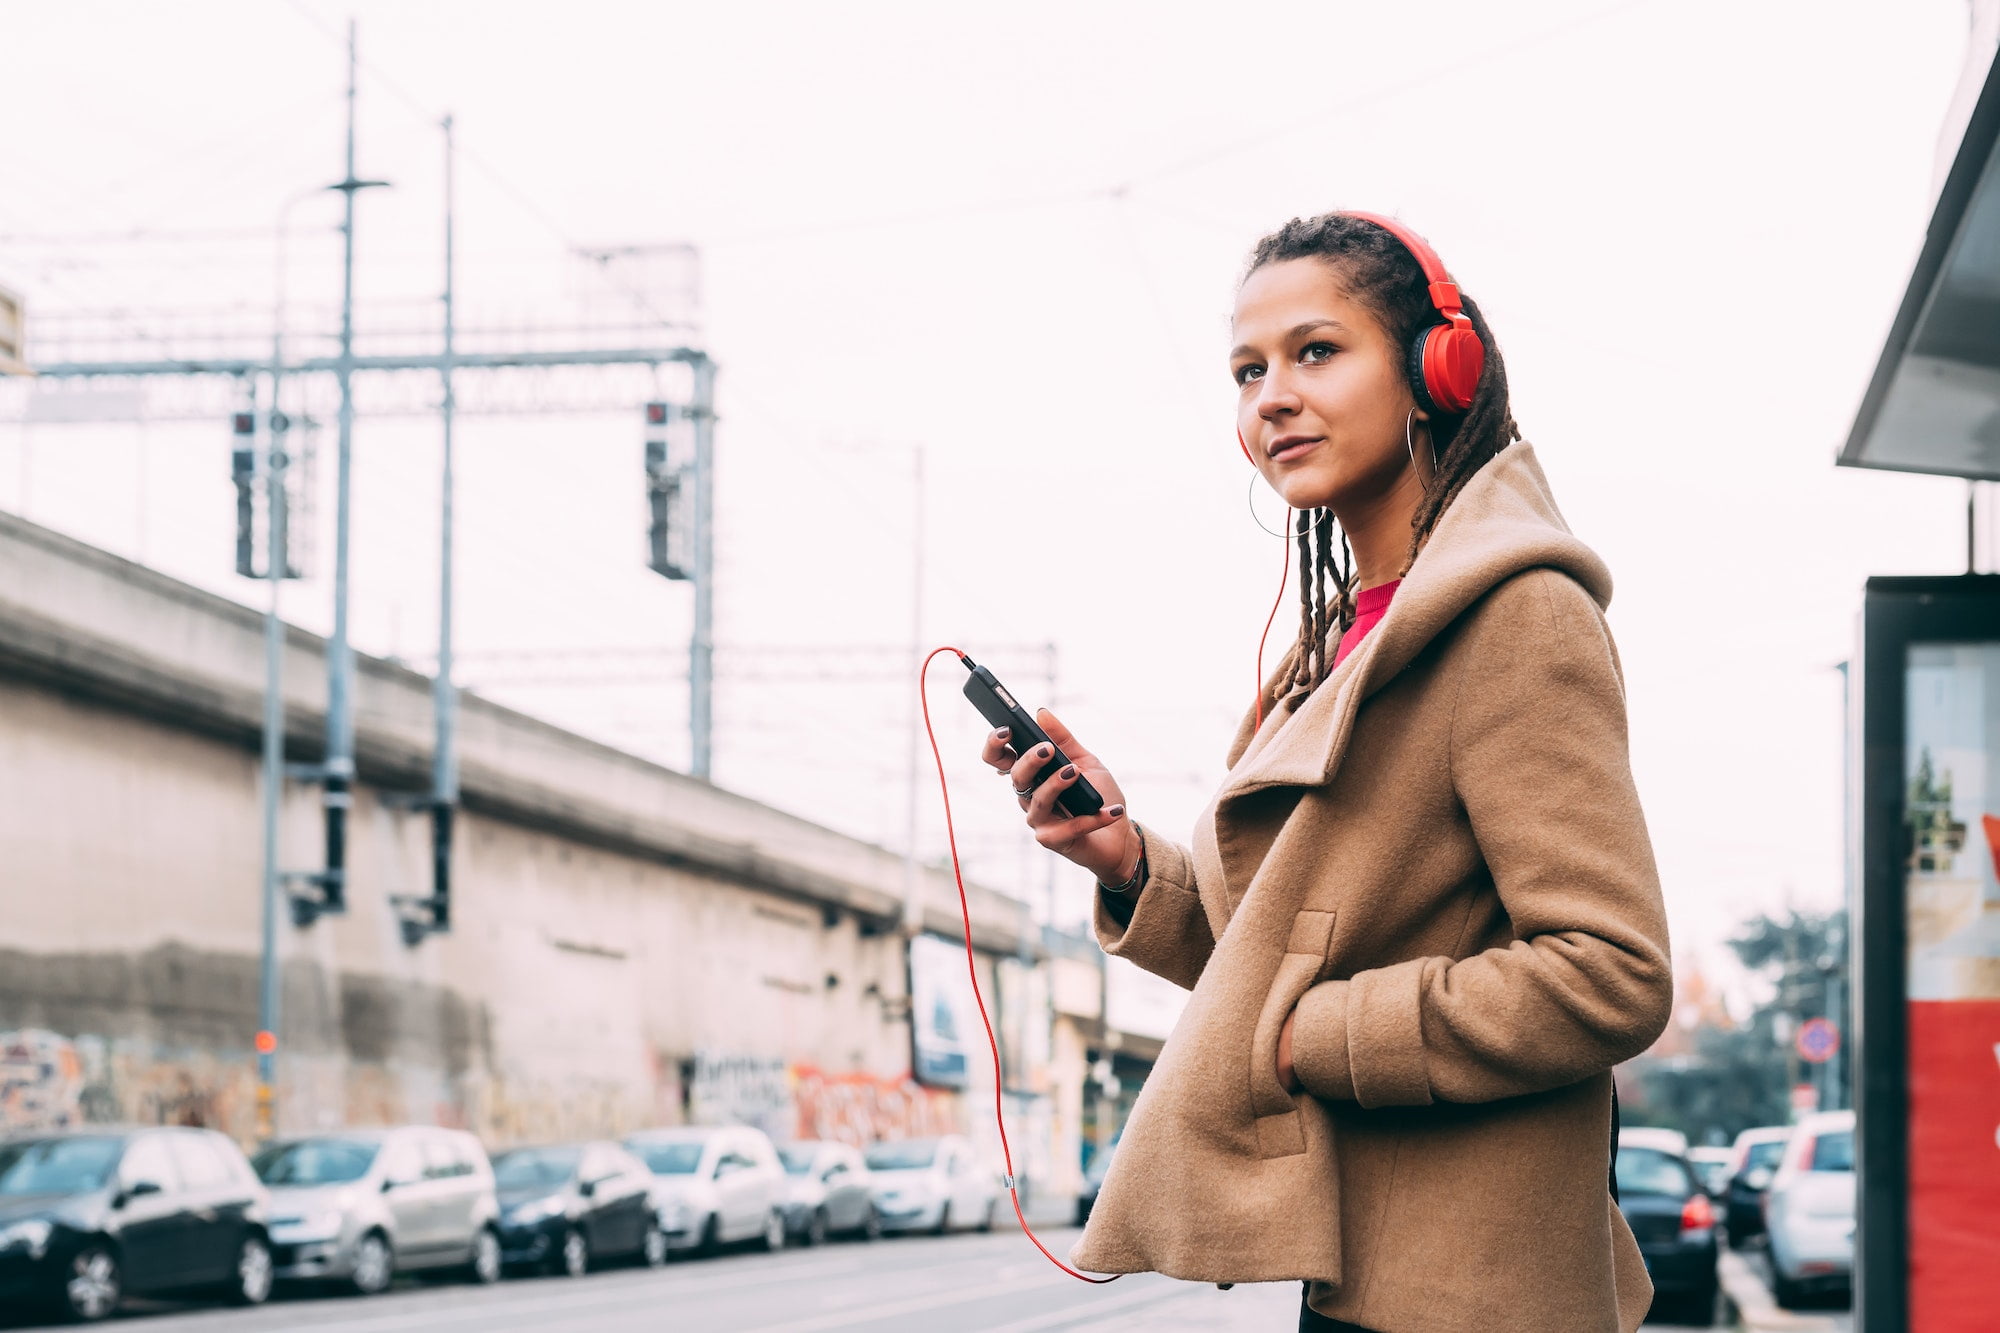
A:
996,703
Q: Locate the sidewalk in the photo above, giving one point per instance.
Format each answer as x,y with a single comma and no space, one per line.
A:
1757,1312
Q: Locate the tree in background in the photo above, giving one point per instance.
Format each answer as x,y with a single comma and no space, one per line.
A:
1737,1077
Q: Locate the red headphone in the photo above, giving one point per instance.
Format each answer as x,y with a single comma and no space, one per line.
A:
1444,359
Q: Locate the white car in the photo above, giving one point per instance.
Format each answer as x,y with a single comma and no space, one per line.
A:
714,1184
1809,1209
1669,1141
934,1185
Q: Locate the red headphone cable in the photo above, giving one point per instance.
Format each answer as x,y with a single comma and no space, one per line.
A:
972,969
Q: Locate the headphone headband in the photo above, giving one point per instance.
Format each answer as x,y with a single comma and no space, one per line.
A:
1446,359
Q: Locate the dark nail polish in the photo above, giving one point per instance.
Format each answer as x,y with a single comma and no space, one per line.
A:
1045,751
1114,811
1004,733
1069,771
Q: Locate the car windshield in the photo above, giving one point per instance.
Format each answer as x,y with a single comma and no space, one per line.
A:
1767,1153
56,1166
535,1168
673,1157
315,1162
904,1155
1648,1171
798,1158
1833,1152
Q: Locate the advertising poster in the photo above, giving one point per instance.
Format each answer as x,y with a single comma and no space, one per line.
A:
1951,862
945,1029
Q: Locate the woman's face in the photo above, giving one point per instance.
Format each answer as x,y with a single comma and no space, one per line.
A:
1321,399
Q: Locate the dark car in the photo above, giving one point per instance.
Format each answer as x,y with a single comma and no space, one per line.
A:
1093,1181
565,1206
87,1217
1754,1160
1674,1222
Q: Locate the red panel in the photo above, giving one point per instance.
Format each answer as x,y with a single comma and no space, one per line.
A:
1954,1164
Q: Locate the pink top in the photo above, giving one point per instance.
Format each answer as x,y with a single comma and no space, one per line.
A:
1370,605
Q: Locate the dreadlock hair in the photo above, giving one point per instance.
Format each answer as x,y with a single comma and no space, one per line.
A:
1379,271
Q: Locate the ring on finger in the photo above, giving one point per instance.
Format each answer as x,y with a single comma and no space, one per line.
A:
1024,795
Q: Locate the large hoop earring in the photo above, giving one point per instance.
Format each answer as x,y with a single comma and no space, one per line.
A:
1410,439
1289,511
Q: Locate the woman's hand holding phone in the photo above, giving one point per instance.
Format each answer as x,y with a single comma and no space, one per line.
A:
1105,843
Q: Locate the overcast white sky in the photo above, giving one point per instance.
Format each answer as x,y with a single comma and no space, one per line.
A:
1011,235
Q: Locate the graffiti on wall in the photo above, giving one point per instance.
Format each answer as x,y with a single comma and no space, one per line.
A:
50,1081
860,1108
727,1089
41,1080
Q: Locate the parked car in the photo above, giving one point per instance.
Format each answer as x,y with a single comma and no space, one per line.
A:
1712,1166
89,1217
359,1206
714,1184
934,1185
1809,1209
1673,1221
1754,1160
829,1192
1093,1181
566,1206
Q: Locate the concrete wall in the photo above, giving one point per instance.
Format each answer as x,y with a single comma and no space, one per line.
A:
630,946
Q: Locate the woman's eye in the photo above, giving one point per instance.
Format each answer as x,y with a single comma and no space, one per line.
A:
1244,374
1314,353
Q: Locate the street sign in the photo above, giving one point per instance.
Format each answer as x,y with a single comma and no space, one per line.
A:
1818,1040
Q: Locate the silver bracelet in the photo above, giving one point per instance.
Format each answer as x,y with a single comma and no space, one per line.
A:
1130,888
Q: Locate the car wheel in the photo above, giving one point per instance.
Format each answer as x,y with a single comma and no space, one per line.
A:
871,1227
93,1287
653,1248
815,1233
986,1222
573,1256
711,1236
774,1232
485,1267
944,1220
374,1265
252,1282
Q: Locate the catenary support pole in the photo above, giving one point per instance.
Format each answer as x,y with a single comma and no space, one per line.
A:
702,646
444,773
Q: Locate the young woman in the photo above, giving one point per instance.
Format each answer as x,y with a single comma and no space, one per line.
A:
1421,919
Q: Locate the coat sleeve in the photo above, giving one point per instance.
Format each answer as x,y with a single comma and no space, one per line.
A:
1539,761
1167,933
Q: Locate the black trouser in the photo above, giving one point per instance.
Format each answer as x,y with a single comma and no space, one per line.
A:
1312,1321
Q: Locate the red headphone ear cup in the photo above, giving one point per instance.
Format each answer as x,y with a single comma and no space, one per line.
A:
1451,357
1245,448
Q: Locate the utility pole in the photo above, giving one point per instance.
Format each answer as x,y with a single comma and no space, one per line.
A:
913,907
444,757
701,647
337,774
275,559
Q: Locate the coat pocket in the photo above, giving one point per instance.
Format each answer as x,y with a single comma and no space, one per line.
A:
1274,1109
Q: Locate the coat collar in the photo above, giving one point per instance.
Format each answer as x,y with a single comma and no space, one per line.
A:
1505,521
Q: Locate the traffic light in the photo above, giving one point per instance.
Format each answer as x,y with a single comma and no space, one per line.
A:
667,534
243,468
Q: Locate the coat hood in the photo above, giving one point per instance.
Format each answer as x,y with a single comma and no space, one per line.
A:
1503,522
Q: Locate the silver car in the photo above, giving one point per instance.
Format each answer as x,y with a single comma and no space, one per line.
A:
1809,1209
713,1184
829,1191
360,1206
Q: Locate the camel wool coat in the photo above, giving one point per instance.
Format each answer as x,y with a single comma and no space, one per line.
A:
1439,862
